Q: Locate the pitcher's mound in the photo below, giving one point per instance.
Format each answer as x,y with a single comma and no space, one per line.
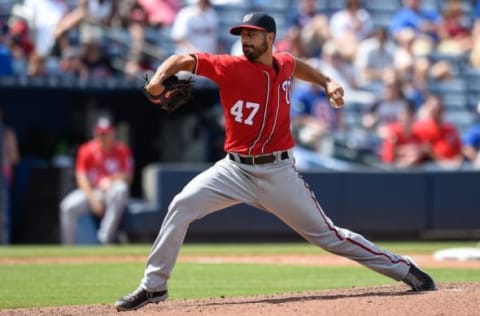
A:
391,300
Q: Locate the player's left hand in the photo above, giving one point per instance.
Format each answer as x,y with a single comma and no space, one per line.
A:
174,92
153,91
335,94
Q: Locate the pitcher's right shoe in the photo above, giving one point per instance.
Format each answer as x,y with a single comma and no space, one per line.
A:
419,280
139,298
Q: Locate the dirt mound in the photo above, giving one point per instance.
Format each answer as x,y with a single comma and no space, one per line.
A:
450,299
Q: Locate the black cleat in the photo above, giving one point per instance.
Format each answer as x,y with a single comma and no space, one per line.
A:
419,280
139,298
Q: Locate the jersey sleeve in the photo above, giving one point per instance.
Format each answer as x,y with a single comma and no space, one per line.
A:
287,62
213,66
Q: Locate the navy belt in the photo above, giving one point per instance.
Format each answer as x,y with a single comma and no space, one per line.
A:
257,160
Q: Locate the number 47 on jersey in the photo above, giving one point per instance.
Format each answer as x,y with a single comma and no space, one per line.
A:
241,109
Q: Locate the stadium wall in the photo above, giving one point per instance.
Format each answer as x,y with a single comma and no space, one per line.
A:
386,204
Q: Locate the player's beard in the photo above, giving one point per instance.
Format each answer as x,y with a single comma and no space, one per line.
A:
253,53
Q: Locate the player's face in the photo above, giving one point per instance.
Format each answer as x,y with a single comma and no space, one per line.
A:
254,44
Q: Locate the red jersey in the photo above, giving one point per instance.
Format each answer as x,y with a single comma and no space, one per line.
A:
395,139
97,163
443,137
255,100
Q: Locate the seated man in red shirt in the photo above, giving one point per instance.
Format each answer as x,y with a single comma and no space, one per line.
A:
401,147
441,140
103,172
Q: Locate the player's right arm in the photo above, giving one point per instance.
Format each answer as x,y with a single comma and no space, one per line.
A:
167,68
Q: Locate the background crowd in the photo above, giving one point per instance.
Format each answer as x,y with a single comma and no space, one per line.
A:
409,67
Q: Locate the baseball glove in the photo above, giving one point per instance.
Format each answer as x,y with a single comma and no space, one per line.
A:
177,92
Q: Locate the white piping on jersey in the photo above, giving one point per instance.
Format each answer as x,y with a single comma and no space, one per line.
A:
195,68
264,114
275,122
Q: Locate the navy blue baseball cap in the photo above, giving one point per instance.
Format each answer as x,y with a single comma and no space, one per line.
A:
259,21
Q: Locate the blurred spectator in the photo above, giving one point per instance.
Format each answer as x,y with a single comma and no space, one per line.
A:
196,28
334,65
455,37
11,153
475,52
417,68
387,108
476,20
424,23
409,65
97,62
315,125
471,142
349,26
313,119
292,42
21,46
71,63
133,16
137,16
402,148
160,12
6,62
43,17
374,57
104,172
10,158
90,17
311,27
136,66
440,139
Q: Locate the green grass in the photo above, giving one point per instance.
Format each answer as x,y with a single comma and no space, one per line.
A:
32,251
26,285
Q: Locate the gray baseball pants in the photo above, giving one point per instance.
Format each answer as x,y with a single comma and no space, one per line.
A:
76,204
276,188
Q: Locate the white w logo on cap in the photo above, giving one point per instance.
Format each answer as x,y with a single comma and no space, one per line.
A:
247,17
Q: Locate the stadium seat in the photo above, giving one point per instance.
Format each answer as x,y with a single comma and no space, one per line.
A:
462,119
381,18
382,5
453,100
457,85
335,5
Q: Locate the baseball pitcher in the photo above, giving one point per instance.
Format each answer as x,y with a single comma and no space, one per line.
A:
259,168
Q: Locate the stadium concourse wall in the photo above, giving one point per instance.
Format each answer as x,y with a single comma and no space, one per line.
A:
48,114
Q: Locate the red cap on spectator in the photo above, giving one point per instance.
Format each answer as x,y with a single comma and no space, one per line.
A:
19,27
